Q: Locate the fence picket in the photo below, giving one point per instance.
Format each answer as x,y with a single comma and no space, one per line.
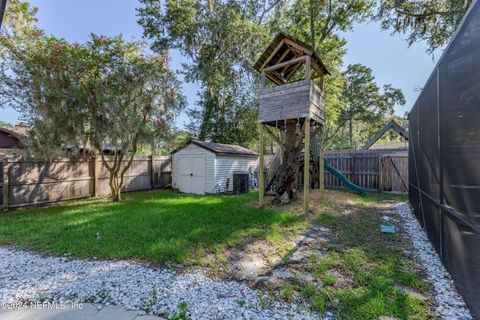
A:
367,169
26,181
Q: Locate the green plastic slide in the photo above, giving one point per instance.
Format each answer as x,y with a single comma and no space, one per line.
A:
344,179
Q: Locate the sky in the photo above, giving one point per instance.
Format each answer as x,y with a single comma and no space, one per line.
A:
391,60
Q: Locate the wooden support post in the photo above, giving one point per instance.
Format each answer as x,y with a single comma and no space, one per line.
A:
306,167
307,68
96,175
261,174
150,170
5,183
321,166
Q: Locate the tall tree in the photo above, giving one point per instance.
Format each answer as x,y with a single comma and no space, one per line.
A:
365,101
220,40
433,21
79,96
319,23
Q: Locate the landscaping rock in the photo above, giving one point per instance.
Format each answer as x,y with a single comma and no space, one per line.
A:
282,273
31,277
450,304
412,293
299,257
250,267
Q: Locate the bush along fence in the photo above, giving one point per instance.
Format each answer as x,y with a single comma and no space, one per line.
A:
27,182
375,170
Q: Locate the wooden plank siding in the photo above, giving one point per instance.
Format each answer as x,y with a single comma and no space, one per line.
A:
34,182
301,99
374,170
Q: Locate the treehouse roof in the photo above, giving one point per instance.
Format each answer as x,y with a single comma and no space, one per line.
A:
284,48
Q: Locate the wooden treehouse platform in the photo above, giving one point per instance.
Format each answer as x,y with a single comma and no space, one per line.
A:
293,100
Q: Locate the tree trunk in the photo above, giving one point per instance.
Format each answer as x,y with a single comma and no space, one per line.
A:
288,172
116,195
115,188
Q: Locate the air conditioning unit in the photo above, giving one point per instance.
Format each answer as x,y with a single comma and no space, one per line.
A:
241,182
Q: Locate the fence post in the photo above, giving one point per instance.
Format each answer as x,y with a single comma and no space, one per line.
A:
96,175
321,182
150,169
352,168
380,173
5,184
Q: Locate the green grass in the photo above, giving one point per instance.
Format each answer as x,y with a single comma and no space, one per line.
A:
158,226
373,261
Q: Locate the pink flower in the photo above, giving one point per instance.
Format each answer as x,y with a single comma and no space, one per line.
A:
57,47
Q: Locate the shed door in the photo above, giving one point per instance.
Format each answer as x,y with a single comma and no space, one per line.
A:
192,174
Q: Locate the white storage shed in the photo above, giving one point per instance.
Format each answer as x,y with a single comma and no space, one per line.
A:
205,167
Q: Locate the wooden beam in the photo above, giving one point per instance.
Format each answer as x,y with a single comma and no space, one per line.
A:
283,64
321,168
317,68
306,167
307,67
273,78
294,69
272,54
261,174
283,56
275,138
299,47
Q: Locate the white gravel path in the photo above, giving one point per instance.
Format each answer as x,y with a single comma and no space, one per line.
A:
31,277
450,304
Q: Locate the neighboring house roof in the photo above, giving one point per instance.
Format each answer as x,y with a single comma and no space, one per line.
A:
9,132
222,149
8,138
392,125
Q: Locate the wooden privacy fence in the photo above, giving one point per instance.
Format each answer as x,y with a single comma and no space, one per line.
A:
26,182
374,170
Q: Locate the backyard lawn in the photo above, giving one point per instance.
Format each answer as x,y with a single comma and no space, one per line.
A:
158,226
355,271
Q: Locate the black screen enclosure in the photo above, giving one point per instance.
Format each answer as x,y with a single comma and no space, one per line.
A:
444,158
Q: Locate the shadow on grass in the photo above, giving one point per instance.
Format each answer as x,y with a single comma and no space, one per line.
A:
159,226
373,261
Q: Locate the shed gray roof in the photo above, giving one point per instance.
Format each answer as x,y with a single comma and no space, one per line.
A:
220,148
